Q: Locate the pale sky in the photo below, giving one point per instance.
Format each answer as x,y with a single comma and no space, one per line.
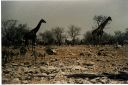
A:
65,13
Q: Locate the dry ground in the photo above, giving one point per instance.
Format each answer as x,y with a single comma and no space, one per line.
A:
70,64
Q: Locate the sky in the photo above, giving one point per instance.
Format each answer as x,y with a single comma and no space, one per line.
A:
64,13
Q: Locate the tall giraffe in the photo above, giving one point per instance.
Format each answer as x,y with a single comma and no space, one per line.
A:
98,33
31,35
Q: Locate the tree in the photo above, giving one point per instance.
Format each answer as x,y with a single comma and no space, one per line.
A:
87,38
47,37
73,32
119,37
12,32
58,34
98,19
126,34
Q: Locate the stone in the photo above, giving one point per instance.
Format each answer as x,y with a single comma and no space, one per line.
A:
16,81
20,70
71,81
82,54
26,63
78,81
93,81
89,64
5,80
25,82
104,80
52,69
14,64
44,63
50,51
52,75
61,64
33,70
88,53
60,82
43,69
25,69
53,60
43,80
26,77
78,68
86,82
40,75
7,71
114,82
37,78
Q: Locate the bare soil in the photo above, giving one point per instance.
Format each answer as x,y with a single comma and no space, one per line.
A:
81,64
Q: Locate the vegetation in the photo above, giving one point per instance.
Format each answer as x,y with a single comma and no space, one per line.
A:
13,32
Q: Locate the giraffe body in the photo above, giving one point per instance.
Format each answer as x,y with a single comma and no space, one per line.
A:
32,34
98,33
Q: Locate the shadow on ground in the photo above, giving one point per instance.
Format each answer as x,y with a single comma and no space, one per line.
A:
119,76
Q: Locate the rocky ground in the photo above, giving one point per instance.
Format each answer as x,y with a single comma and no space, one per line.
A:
82,64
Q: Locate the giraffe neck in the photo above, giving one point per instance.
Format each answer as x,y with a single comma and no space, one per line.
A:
101,27
36,28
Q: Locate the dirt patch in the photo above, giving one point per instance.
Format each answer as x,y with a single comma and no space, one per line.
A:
71,64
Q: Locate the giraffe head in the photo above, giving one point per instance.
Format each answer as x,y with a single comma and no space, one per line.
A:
43,21
109,18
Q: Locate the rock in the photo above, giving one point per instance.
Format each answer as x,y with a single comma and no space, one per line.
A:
25,82
5,81
14,64
37,78
20,70
51,76
78,68
78,81
53,60
18,75
61,64
60,82
25,69
114,82
117,46
88,53
104,80
43,69
52,69
93,81
21,64
49,69
87,82
26,63
42,54
16,81
82,54
34,70
50,51
43,80
70,81
26,77
40,75
72,54
54,52
44,63
7,71
89,64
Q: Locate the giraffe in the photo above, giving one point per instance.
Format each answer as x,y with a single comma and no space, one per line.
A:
98,33
31,35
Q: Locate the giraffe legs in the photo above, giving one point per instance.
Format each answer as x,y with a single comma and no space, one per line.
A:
33,50
26,44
